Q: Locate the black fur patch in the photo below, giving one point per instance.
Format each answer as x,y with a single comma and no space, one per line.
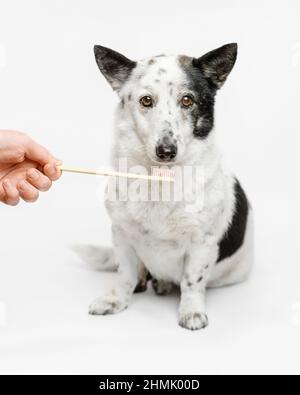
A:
202,113
235,235
206,75
141,287
143,283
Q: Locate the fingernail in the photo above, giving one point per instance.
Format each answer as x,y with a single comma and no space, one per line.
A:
52,170
34,174
23,185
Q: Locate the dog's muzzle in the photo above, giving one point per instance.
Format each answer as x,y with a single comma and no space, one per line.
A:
166,149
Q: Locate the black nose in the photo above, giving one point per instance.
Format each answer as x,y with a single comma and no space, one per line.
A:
166,152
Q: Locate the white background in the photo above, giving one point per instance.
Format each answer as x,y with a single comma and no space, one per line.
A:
50,87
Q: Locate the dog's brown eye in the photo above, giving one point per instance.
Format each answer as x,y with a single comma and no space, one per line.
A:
187,101
146,101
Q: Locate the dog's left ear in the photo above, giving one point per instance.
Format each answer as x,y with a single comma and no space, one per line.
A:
115,67
217,65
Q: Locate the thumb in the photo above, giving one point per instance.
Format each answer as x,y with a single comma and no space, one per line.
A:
37,153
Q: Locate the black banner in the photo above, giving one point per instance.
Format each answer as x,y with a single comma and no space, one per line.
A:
98,384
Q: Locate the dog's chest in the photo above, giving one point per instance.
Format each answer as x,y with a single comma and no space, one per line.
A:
164,233
162,237
160,233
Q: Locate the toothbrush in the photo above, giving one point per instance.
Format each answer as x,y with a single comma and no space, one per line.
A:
157,174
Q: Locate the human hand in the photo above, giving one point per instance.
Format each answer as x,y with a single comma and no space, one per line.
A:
25,168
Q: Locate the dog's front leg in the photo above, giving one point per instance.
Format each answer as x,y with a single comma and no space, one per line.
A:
198,264
118,298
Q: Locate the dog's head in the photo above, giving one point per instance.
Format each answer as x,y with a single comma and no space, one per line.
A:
169,98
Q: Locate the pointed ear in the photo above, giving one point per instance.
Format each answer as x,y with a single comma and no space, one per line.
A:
115,67
216,65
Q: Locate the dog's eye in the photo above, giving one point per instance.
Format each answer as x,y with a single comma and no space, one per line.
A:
146,101
187,101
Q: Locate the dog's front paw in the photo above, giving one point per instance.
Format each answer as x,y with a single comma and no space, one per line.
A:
193,321
109,304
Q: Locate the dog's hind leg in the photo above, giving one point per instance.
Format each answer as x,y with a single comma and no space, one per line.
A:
118,298
161,287
144,277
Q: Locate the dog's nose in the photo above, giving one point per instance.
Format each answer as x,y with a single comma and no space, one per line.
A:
166,151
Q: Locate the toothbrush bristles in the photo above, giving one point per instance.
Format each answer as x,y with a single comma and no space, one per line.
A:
164,174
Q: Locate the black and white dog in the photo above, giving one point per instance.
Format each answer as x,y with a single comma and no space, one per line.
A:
166,116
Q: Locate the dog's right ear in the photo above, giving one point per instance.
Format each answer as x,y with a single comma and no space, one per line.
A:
115,67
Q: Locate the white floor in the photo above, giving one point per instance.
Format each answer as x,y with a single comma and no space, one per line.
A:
46,290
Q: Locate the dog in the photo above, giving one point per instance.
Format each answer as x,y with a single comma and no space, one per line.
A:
166,117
